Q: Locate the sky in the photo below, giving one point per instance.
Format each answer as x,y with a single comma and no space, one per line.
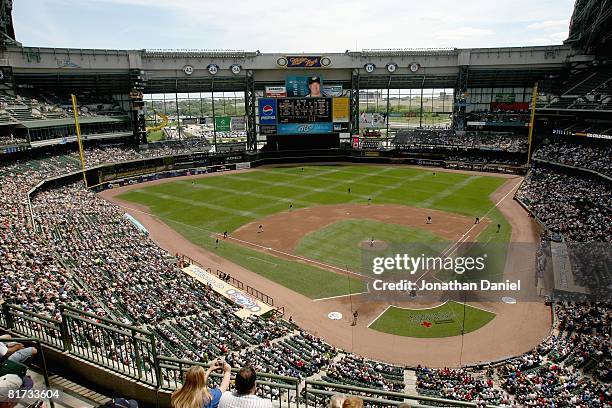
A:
290,26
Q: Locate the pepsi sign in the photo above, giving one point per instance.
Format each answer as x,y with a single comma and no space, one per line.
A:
267,111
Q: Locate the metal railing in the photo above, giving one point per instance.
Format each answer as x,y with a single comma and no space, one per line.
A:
280,390
119,347
33,325
131,352
225,277
318,393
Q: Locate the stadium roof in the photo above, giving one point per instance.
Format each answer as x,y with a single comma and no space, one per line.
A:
591,26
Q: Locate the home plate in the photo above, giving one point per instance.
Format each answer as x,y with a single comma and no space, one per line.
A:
335,315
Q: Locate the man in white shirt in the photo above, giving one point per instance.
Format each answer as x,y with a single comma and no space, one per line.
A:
15,351
244,396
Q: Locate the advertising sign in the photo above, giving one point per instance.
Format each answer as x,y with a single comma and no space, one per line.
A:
332,90
340,110
304,128
303,61
267,111
509,106
267,129
249,305
372,120
223,123
238,123
276,91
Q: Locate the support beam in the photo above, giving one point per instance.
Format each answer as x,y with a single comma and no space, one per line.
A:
249,106
354,125
460,97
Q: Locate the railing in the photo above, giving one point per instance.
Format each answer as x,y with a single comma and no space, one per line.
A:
229,279
33,325
281,390
131,353
318,393
260,295
118,347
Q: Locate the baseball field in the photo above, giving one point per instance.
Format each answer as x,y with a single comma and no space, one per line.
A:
306,227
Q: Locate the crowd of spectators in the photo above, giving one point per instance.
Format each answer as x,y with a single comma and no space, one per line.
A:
460,385
501,141
300,355
592,157
10,140
503,117
358,371
579,208
571,367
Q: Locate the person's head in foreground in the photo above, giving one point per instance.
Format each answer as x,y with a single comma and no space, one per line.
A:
195,392
245,381
336,401
352,402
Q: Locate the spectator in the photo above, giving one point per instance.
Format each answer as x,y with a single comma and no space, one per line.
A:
16,352
352,402
244,396
336,401
195,392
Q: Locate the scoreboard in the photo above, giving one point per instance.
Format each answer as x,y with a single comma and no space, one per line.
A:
303,115
304,110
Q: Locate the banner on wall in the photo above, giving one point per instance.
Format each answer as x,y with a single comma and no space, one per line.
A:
303,61
250,305
276,91
340,110
267,129
510,106
304,128
223,123
505,97
267,111
238,123
332,90
372,120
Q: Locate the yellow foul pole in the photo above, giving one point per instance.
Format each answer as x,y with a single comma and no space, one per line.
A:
534,100
78,132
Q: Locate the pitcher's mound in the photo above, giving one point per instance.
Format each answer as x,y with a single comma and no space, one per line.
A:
375,245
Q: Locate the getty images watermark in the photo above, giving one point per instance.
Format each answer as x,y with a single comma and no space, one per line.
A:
475,270
424,265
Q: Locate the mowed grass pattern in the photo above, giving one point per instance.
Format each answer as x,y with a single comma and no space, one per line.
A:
443,321
200,207
340,243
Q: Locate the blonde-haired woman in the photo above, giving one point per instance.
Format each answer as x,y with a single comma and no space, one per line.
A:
195,392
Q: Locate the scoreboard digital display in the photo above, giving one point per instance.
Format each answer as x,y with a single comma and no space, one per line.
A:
304,110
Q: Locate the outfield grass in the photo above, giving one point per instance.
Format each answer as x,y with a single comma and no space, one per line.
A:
298,276
198,208
156,136
445,320
339,243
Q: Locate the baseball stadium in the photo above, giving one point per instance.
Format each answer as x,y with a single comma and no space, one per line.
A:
384,228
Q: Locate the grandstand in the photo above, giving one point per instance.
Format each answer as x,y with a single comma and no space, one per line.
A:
114,311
